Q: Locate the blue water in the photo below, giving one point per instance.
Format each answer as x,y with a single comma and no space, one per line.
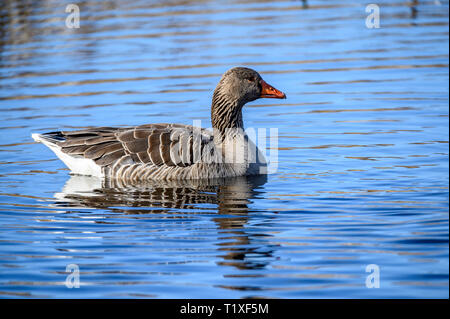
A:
362,170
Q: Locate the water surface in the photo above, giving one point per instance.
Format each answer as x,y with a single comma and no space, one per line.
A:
362,173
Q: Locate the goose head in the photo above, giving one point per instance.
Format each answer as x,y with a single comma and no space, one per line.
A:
237,87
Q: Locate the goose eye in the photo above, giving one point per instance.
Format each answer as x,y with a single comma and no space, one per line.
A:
251,79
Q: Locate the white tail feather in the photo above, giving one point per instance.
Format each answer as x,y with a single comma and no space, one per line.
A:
77,164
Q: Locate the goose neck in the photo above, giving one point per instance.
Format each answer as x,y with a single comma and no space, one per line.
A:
226,113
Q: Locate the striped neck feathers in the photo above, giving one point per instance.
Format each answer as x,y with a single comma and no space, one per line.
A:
226,112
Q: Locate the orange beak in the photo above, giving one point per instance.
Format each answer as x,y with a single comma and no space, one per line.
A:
269,91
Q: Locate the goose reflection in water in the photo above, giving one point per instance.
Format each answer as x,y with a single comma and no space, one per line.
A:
231,196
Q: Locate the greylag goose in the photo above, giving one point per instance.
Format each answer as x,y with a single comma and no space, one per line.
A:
172,151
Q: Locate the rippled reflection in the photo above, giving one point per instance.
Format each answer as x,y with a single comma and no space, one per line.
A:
230,196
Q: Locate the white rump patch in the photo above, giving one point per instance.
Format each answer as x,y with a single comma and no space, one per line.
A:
77,164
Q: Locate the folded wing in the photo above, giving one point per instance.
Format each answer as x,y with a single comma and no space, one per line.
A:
158,144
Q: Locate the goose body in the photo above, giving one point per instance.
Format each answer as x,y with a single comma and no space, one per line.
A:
172,151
